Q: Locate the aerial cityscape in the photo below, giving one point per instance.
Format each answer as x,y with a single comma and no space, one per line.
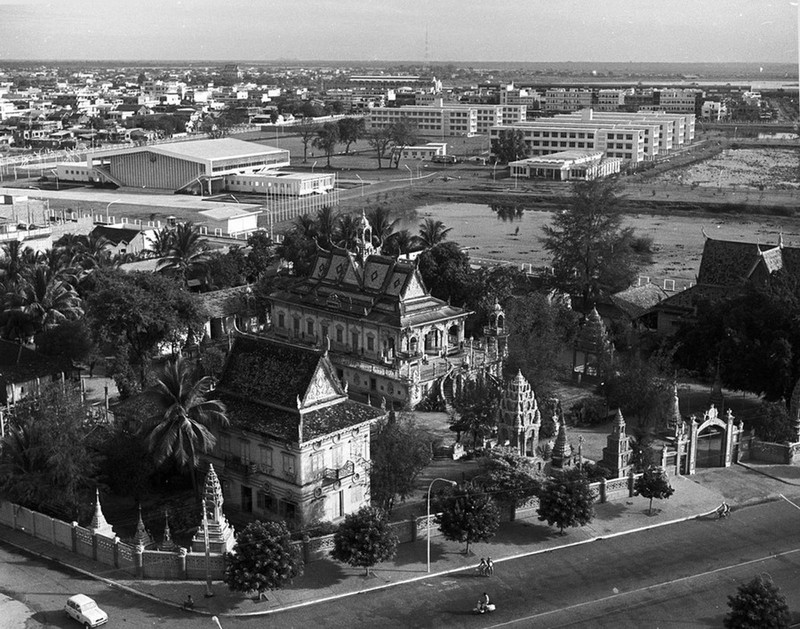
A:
399,314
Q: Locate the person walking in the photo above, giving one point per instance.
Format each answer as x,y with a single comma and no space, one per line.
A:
489,567
482,567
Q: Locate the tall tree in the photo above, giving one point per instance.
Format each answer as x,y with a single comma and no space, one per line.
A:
364,539
540,330
380,140
446,271
382,223
47,300
347,232
351,130
399,243
756,605
47,459
432,232
593,254
182,426
187,254
566,500
137,314
510,478
263,558
467,514
308,131
325,226
510,146
399,452
403,133
327,139
476,405
653,484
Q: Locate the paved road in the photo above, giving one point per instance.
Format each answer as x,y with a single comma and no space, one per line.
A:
679,575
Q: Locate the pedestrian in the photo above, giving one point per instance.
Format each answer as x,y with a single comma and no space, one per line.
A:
482,567
489,567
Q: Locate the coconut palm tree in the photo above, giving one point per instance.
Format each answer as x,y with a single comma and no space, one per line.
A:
382,224
16,257
187,254
181,427
432,232
399,243
305,226
346,235
161,243
48,300
325,223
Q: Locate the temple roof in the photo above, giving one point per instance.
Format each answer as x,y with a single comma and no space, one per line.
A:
227,301
285,391
383,290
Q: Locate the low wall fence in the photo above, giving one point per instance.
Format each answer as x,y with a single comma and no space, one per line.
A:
780,453
180,564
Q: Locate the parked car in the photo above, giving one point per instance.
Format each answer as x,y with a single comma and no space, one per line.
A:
85,610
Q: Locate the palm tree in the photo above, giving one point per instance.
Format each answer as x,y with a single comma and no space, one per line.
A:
305,226
16,257
181,428
399,243
346,234
48,300
326,226
382,226
187,254
161,243
432,232
94,251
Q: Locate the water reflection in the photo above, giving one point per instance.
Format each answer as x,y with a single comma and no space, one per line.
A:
507,211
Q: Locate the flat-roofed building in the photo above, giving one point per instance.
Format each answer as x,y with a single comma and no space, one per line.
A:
562,99
449,119
198,165
566,166
281,183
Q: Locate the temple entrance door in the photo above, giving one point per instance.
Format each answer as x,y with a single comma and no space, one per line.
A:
413,345
711,447
432,341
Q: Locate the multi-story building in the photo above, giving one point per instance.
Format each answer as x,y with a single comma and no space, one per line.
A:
609,100
566,166
679,101
631,137
447,119
296,448
561,99
388,337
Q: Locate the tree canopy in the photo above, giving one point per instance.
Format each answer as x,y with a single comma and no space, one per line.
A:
48,461
566,500
654,484
399,451
510,146
593,254
466,514
263,558
364,539
757,604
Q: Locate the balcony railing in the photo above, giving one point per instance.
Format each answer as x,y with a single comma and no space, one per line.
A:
332,474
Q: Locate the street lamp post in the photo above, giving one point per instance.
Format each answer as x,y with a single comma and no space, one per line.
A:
410,175
362,184
312,167
444,480
109,205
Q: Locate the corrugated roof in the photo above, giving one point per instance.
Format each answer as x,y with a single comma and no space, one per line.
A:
222,148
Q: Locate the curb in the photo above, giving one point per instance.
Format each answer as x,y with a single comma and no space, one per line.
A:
763,473
109,582
153,598
267,612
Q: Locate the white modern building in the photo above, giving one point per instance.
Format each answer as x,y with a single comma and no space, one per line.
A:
561,99
566,166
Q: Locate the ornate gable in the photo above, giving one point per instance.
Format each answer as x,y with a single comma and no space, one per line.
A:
339,264
414,287
352,276
322,388
321,267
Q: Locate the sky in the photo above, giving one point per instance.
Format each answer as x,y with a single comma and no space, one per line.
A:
395,30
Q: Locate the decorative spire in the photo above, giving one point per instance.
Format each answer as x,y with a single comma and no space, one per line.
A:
562,451
221,536
142,537
167,545
99,525
619,424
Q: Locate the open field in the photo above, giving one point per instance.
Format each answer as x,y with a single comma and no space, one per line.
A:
775,169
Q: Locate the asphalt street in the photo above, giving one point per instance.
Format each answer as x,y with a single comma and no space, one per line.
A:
674,576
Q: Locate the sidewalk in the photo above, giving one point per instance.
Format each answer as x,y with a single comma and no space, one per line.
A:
327,579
